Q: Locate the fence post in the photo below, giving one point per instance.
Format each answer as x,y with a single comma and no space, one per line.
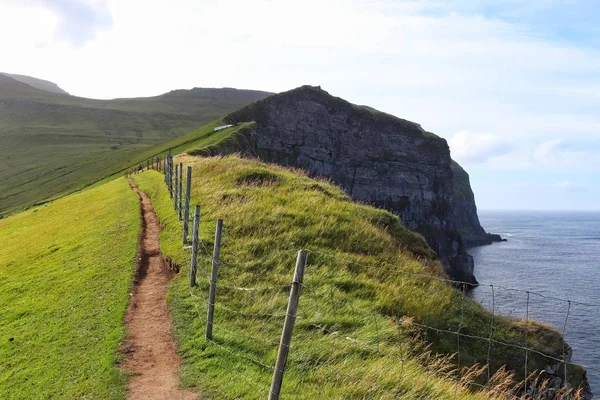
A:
171,177
170,170
195,231
180,194
186,215
213,280
288,326
176,191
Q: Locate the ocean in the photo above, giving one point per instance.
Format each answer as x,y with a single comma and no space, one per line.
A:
555,256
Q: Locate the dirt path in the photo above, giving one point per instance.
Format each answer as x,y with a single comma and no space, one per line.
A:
151,354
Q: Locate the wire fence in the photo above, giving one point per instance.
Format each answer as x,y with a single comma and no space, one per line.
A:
336,330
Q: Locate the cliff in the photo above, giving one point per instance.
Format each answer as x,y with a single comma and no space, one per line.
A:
465,211
375,157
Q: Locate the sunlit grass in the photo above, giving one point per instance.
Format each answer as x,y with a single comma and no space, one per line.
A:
65,274
370,282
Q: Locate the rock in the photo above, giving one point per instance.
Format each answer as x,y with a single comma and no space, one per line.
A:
465,211
375,157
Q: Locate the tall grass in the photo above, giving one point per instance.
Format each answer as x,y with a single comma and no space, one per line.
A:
369,287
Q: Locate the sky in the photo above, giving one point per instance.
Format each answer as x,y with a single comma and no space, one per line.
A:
512,85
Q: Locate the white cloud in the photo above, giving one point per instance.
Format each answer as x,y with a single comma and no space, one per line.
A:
39,23
546,152
570,155
567,186
79,20
477,148
23,28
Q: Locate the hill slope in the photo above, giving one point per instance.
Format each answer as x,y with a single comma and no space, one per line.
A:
37,83
65,275
370,286
53,143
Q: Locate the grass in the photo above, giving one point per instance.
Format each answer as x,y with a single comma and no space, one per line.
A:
369,285
54,144
89,163
65,274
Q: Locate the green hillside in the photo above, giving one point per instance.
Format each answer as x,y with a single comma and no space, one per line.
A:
370,286
65,275
54,143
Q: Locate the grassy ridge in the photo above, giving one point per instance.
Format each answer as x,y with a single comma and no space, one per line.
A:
54,143
358,336
90,164
65,274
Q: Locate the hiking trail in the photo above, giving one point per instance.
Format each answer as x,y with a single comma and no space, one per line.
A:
150,350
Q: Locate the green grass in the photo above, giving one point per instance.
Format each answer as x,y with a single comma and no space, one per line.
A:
359,309
65,274
88,165
54,144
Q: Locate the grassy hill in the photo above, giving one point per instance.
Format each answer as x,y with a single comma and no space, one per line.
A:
370,286
54,143
65,275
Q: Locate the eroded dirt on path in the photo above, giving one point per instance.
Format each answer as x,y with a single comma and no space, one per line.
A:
150,351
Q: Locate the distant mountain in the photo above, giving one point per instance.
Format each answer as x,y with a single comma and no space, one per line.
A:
52,143
41,84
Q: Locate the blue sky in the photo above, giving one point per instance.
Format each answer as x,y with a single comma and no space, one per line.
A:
513,85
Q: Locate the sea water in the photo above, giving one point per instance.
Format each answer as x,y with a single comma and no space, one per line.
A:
556,257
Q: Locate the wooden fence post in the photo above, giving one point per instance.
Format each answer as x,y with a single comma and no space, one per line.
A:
176,191
180,194
186,215
195,232
213,280
288,326
170,171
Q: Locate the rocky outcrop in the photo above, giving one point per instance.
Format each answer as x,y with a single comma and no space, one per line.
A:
375,157
566,374
465,211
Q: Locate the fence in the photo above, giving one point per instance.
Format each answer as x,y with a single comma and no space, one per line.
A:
277,308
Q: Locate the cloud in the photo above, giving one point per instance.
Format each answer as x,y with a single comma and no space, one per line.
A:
478,148
567,186
546,152
79,20
574,155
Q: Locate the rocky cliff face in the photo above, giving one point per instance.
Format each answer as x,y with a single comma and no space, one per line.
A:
465,211
375,157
